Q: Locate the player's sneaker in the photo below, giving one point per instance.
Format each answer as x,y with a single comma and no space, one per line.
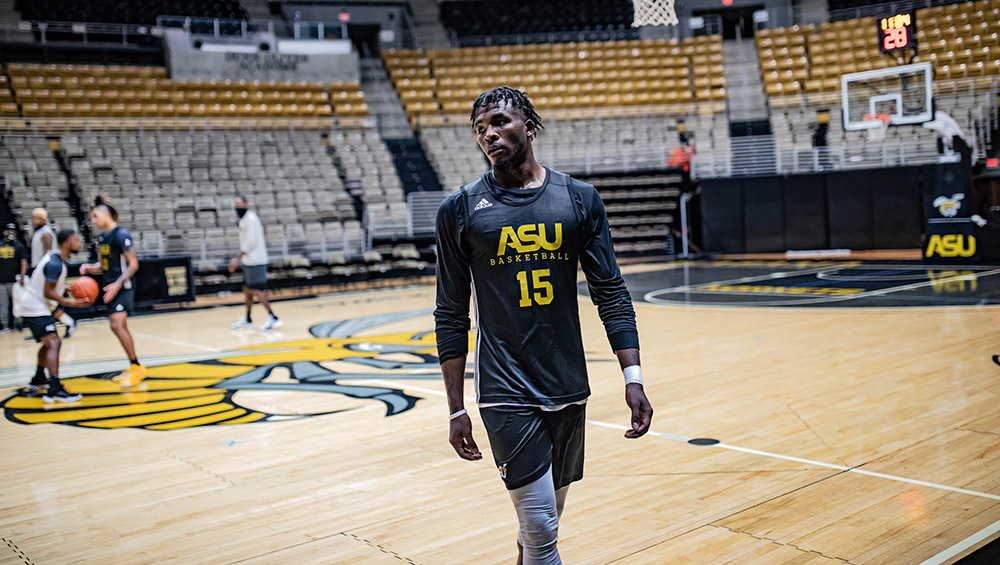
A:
70,330
272,324
59,394
243,324
133,376
31,390
34,388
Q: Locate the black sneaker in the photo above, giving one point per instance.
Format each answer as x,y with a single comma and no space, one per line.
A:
34,388
70,330
60,395
31,390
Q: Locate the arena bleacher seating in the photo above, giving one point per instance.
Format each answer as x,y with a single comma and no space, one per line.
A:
132,91
802,73
961,40
563,76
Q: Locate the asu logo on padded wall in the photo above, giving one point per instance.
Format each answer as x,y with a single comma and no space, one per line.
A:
205,392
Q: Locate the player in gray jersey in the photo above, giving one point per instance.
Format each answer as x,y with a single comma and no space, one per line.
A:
511,242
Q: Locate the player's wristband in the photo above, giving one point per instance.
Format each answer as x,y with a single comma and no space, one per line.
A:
457,414
633,374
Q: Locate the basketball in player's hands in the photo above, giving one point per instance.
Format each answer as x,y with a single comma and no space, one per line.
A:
85,288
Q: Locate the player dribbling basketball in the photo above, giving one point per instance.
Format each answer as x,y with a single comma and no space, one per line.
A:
35,303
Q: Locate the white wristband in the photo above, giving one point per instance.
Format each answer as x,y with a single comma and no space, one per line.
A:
633,374
457,414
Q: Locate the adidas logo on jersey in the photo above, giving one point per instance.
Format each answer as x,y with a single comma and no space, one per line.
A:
484,203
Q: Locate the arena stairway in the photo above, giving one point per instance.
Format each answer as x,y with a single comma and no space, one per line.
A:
744,86
383,102
414,169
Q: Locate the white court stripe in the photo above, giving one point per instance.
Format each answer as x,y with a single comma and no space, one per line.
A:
860,471
176,341
743,449
961,546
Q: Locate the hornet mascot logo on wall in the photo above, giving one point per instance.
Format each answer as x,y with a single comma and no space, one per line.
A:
949,206
200,390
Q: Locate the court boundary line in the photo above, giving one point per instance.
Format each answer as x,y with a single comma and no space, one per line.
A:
723,445
963,545
651,296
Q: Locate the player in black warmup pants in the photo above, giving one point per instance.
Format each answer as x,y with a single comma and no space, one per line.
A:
516,236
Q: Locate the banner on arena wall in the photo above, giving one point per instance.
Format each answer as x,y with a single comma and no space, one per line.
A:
949,234
189,63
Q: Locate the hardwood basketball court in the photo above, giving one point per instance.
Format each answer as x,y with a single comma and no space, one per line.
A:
855,426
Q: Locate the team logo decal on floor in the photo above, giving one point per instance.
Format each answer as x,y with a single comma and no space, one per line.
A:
204,390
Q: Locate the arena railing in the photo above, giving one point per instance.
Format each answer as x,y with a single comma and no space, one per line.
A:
761,155
86,32
282,29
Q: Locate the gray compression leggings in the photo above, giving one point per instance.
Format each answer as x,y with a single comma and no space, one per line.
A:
539,506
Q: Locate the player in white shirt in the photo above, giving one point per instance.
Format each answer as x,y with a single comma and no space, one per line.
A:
43,240
253,257
34,304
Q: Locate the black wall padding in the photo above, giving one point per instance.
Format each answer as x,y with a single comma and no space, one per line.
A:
897,218
849,210
764,217
805,212
722,216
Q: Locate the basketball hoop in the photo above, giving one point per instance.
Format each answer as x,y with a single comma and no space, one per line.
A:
876,125
654,13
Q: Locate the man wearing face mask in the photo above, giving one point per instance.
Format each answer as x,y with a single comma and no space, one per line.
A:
13,270
253,256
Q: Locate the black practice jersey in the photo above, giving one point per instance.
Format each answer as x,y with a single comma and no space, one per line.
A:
11,255
112,246
515,253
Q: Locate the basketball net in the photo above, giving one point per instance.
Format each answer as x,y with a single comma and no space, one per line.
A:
876,125
654,13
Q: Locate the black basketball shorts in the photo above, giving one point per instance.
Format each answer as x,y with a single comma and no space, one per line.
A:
40,326
526,440
124,301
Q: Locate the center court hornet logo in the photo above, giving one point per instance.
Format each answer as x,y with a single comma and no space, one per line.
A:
203,390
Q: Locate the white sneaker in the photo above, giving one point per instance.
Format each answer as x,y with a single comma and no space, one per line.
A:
271,324
243,324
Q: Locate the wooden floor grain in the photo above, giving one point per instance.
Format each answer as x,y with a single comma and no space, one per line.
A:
796,396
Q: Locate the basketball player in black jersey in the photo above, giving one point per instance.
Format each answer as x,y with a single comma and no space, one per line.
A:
516,235
117,265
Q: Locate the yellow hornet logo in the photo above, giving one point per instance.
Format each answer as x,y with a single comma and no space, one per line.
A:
203,391
949,206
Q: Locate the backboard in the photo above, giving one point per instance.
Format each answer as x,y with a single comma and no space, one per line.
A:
903,92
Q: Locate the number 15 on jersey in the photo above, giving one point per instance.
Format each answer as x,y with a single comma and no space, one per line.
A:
542,289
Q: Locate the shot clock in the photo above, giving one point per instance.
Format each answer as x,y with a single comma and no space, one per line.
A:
897,32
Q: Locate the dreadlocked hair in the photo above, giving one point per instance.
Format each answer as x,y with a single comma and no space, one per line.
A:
515,98
102,201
